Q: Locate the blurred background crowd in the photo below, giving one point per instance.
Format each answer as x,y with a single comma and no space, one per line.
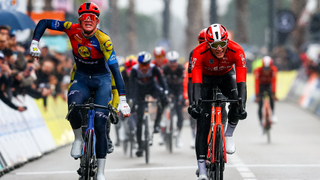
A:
287,30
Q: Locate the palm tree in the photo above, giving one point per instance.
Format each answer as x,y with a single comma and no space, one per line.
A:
131,36
195,23
298,34
241,33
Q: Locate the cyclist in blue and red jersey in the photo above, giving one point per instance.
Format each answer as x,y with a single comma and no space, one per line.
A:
213,65
95,60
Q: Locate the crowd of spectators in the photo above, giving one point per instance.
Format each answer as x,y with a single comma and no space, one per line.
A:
20,74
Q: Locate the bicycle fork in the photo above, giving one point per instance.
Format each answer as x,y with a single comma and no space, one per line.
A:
215,122
90,127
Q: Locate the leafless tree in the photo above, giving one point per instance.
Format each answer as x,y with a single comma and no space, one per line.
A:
132,36
195,23
114,22
241,34
298,33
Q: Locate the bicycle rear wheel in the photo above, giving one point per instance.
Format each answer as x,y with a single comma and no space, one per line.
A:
87,158
146,139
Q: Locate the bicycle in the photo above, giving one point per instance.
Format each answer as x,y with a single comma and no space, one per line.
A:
216,156
171,117
130,133
266,116
88,161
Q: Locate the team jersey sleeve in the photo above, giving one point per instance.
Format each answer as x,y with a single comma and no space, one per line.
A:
51,24
274,79
241,67
196,67
115,94
185,82
256,73
156,72
110,56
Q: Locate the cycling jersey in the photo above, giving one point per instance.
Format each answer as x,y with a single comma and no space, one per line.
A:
165,61
204,62
93,55
174,78
265,76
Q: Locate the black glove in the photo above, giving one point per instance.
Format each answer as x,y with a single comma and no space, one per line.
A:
113,116
242,113
195,111
164,100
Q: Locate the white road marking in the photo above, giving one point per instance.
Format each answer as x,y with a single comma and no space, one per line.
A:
242,168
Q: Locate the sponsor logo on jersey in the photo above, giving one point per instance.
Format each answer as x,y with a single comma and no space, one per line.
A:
83,51
112,58
211,61
67,25
194,60
108,45
243,59
56,24
78,38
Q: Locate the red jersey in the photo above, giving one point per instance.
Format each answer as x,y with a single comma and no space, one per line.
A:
204,62
265,77
165,61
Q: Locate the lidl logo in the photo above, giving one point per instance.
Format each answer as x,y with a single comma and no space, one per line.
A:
108,45
84,51
67,24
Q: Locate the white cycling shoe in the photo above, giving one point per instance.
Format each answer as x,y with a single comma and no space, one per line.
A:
101,165
230,146
203,177
76,148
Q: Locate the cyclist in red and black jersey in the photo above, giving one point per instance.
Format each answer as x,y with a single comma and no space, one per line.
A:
160,59
265,81
213,65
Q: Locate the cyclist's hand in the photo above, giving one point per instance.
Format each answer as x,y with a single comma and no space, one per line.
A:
113,116
123,106
21,109
34,49
242,113
257,99
274,97
195,111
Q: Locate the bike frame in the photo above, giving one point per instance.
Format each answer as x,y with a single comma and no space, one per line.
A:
90,127
215,122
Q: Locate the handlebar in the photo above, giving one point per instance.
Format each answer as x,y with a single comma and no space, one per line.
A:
239,101
90,106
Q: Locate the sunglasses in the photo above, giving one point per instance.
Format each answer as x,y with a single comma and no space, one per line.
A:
88,17
144,64
215,45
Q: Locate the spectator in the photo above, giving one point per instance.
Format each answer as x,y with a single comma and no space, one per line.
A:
4,71
3,42
5,30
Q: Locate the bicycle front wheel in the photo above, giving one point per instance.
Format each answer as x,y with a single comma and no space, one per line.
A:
146,139
88,155
219,155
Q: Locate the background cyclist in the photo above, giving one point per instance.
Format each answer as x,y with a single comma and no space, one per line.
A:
95,59
212,65
265,81
174,72
142,82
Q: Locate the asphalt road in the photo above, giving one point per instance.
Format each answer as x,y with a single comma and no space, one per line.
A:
294,154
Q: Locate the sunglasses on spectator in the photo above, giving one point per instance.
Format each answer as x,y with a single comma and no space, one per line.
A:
88,17
215,45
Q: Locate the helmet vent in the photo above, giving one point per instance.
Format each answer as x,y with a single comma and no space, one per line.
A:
217,35
88,6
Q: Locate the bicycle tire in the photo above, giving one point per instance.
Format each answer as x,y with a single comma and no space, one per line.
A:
88,155
210,165
267,129
219,155
146,139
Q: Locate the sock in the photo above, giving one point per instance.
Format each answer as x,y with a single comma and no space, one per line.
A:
230,129
77,134
202,166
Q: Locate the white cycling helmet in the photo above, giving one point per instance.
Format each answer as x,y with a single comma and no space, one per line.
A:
172,56
144,57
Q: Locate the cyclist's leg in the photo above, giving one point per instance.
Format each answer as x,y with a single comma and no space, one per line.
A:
178,105
140,112
203,127
78,93
158,94
193,124
229,89
102,97
260,104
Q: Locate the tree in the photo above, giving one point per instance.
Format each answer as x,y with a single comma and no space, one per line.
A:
241,33
114,14
195,23
131,36
298,34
